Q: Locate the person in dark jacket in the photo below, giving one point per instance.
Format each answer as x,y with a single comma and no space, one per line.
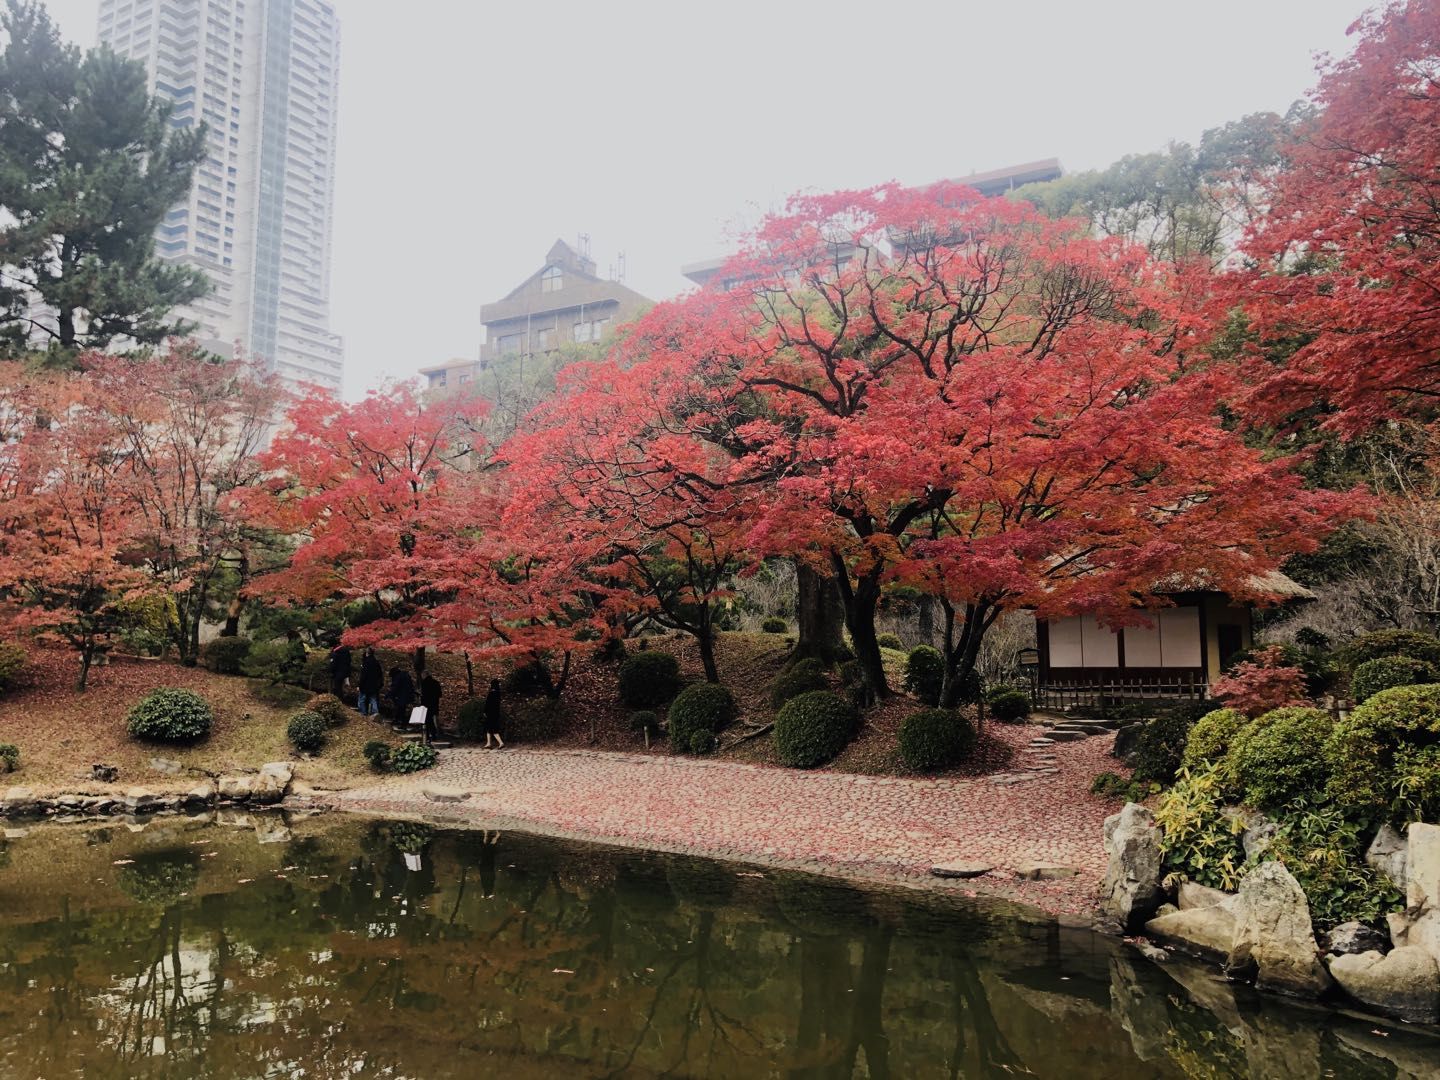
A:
341,666
492,716
430,698
402,693
372,678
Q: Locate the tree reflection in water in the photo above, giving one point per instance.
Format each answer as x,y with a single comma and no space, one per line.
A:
403,949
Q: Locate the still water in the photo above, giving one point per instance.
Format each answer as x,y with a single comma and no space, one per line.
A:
336,946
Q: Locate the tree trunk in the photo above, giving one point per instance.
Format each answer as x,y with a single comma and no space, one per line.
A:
961,656
232,618
469,676
417,659
87,657
706,638
861,601
820,614
927,620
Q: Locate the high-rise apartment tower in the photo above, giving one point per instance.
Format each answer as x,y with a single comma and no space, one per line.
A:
263,75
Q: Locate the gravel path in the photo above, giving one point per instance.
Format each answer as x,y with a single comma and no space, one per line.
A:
847,825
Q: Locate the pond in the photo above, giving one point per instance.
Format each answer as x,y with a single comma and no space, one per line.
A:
327,946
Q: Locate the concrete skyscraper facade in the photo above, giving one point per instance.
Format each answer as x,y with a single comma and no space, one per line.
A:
263,75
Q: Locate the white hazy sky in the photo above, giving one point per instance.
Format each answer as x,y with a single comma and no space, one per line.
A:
473,133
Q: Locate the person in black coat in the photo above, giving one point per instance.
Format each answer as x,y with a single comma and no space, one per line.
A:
372,678
430,698
341,666
492,716
402,693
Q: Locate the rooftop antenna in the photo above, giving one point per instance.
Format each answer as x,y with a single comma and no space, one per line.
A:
582,241
620,258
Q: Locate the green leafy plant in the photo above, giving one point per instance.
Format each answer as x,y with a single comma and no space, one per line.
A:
1160,746
649,679
925,674
470,719
1280,757
645,722
170,715
378,754
890,641
1387,672
1378,643
1007,704
1199,841
1372,752
813,728
698,715
13,659
799,678
1209,740
329,708
413,757
9,757
1110,785
1325,853
935,739
226,655
306,731
774,625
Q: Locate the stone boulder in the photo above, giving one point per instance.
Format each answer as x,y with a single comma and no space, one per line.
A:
139,798
236,788
1206,932
273,782
18,800
1352,938
1422,866
1274,935
1190,894
1404,984
1132,891
1387,854
202,794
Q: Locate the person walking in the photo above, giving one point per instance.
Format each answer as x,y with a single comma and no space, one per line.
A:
372,678
402,693
430,698
341,665
492,716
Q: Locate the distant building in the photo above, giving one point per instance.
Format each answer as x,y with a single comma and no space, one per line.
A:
563,302
263,75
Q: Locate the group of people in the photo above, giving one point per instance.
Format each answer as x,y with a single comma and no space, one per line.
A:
403,692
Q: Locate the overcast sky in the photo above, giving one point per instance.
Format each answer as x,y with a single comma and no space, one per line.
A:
473,133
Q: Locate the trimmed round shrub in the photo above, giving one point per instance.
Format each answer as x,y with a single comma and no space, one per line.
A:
470,719
1378,643
1280,758
226,655
698,715
12,664
1387,672
378,754
1212,735
9,757
890,641
1160,747
935,739
645,721
329,708
1370,751
649,679
1007,704
925,673
812,728
775,625
412,757
169,715
306,731
799,678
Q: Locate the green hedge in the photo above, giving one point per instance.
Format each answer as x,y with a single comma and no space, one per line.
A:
170,715
1384,757
1007,704
889,641
1279,757
226,655
306,731
329,708
925,674
1378,643
813,728
935,739
799,678
1387,672
649,679
774,625
13,659
698,715
1210,738
470,719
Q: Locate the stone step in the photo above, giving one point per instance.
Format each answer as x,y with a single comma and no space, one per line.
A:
1066,736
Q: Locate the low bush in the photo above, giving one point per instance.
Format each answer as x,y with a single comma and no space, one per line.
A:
538,720
1159,746
171,716
649,679
925,674
1007,704
1375,753
13,659
279,661
813,728
935,739
890,641
698,715
470,719
1387,672
1378,643
527,679
799,678
1198,840
1280,757
1325,853
1209,740
226,655
1109,785
306,731
1319,671
645,722
412,757
1268,680
378,754
329,708
775,625
9,757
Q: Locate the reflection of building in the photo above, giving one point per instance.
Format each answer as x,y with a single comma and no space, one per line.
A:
263,76
564,302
